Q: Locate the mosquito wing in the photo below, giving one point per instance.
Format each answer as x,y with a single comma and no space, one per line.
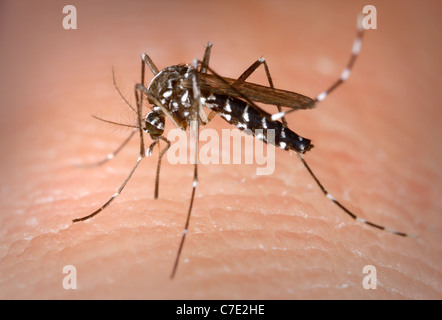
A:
255,92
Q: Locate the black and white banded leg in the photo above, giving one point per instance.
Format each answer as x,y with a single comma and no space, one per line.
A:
143,153
157,176
347,211
196,106
120,189
344,76
139,98
357,44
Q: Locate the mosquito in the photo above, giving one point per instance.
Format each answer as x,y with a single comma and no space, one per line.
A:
180,93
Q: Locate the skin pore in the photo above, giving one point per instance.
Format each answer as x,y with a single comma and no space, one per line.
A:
251,237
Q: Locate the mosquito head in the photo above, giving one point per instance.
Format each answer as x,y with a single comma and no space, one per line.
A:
154,124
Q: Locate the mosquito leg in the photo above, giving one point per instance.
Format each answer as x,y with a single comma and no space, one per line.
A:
113,197
203,69
346,72
157,177
147,60
120,189
139,98
252,69
344,75
110,155
196,105
206,58
347,211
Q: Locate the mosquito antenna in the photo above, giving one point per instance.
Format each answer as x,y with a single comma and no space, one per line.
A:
119,92
111,155
116,123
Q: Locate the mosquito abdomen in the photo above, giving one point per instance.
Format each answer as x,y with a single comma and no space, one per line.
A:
246,118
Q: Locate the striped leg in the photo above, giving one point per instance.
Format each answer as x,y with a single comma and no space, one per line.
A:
196,105
343,208
344,75
157,176
142,155
120,189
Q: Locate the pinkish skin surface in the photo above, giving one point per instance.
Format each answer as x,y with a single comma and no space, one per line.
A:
273,237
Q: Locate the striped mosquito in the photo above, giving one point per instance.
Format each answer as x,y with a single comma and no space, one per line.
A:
179,94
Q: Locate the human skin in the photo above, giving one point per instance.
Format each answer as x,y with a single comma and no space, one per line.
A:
251,237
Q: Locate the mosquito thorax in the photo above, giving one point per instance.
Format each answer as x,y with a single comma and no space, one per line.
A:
167,87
